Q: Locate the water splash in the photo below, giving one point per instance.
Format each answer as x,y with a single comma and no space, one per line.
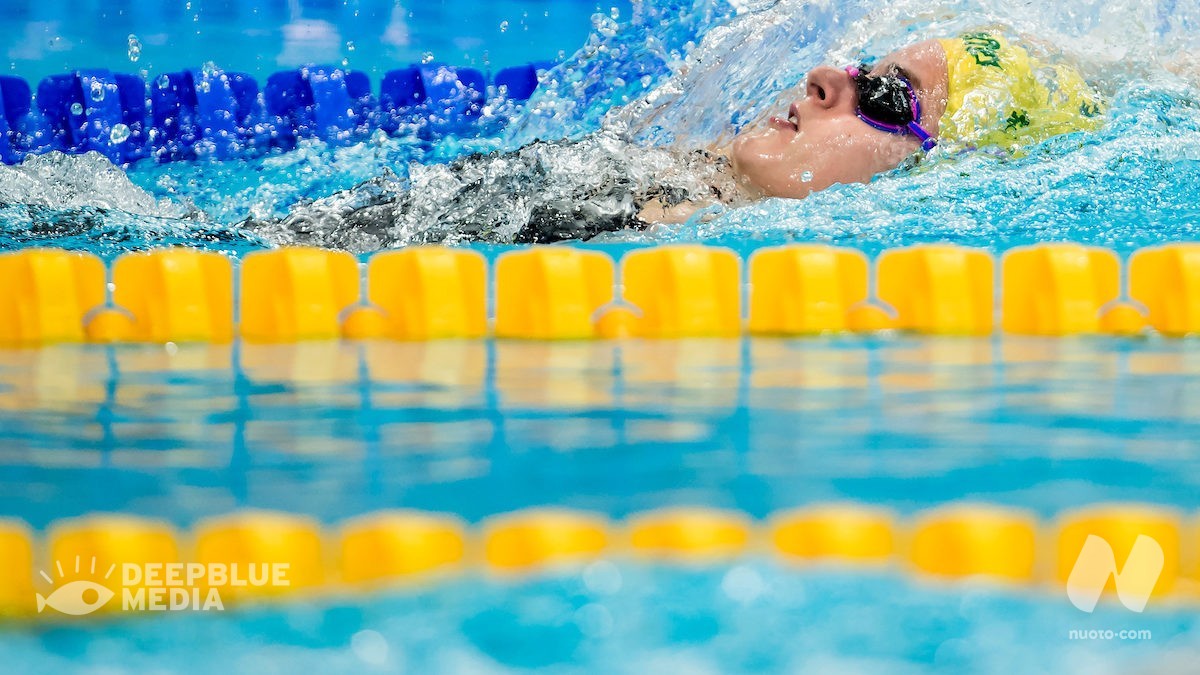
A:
678,73
546,191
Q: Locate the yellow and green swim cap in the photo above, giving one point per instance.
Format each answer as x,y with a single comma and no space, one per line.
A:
1001,96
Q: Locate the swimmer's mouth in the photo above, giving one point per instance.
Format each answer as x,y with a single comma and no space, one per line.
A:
792,123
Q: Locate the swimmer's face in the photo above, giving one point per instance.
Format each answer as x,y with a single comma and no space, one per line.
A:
821,141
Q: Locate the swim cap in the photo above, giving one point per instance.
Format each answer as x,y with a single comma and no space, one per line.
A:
1001,96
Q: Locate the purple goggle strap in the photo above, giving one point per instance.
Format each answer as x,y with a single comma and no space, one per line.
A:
928,142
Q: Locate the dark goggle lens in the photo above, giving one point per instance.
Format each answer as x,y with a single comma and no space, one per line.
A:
884,98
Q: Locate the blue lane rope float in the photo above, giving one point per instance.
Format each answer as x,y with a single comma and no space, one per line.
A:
210,113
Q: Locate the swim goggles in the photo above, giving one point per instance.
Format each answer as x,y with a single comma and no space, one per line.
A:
889,103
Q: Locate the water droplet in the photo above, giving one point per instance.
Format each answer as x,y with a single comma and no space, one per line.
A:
806,177
76,108
97,91
602,577
370,647
427,57
135,48
119,133
503,26
594,620
743,584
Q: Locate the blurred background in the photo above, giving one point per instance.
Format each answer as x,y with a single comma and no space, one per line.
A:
43,37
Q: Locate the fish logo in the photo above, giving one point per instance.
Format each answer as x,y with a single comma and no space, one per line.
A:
78,597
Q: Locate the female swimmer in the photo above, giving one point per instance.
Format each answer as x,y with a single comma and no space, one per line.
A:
975,91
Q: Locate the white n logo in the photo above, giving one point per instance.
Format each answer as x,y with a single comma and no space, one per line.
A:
1097,562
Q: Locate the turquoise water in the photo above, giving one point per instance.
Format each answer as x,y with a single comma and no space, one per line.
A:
625,618
262,36
674,72
479,428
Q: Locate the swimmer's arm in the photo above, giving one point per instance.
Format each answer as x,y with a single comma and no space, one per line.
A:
655,212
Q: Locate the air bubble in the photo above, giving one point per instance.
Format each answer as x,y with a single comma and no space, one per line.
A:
806,177
503,26
350,46
97,91
76,108
427,57
614,13
119,133
135,48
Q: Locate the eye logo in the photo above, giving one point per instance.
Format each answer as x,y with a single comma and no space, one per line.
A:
78,597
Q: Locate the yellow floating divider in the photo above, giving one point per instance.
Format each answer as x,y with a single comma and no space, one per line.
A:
967,540
551,292
837,532
941,289
1057,289
1120,528
296,293
16,584
430,292
96,548
1166,279
47,294
395,545
803,289
684,291
689,534
176,295
537,538
1133,551
254,539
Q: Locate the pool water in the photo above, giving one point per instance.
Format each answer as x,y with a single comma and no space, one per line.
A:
755,426
756,616
478,428
261,36
475,428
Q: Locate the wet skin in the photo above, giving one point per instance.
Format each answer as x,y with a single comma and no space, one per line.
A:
820,141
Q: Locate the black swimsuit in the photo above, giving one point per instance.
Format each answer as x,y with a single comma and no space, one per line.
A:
544,192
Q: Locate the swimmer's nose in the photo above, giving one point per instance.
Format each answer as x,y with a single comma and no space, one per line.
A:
830,88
